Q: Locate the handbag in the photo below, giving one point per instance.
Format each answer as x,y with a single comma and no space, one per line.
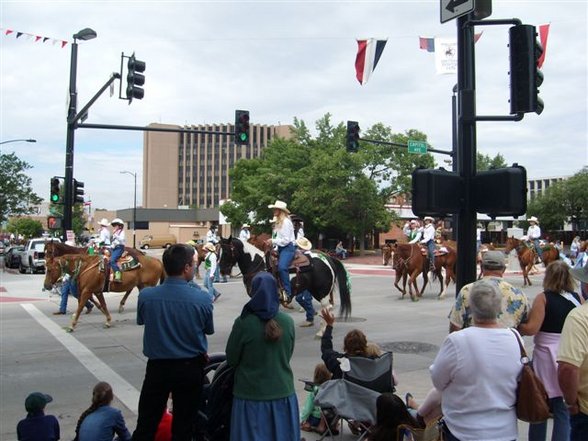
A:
532,399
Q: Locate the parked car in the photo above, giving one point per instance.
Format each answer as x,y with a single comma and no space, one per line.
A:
32,257
157,241
12,256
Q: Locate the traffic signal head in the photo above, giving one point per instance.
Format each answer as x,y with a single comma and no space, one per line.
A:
135,78
352,139
436,192
501,191
241,127
525,77
55,193
78,193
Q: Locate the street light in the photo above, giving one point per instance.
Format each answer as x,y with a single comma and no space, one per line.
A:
18,140
84,35
134,175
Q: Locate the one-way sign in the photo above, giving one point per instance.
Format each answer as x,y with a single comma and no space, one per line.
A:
451,9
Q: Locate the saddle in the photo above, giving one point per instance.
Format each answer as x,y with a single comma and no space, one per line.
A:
439,251
300,263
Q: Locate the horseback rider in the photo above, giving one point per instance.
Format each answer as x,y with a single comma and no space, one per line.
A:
298,226
283,237
211,237
414,234
304,298
429,240
118,247
104,233
534,234
244,234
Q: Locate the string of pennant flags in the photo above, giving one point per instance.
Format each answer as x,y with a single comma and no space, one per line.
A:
33,37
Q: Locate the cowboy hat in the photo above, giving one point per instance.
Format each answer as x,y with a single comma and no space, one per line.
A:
104,222
210,247
304,243
429,218
246,226
117,221
581,274
533,219
414,222
280,205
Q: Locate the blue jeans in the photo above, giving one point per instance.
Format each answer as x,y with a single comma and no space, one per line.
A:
115,255
431,248
537,247
561,423
579,423
209,285
304,299
286,257
217,275
68,288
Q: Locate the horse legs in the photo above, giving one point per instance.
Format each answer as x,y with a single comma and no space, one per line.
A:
412,283
400,275
82,299
121,306
105,311
323,326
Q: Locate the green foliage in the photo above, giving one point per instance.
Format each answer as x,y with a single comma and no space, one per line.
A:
78,218
485,162
16,194
25,226
328,187
564,201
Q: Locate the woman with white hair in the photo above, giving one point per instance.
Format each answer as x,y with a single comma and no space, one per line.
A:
476,371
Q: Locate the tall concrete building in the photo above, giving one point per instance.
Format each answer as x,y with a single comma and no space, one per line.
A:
182,170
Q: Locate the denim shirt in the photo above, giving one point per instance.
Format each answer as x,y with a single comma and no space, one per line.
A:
103,424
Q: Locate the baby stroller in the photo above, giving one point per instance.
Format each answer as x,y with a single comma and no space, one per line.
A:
214,411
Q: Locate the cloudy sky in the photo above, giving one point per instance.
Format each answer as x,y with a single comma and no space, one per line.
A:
280,60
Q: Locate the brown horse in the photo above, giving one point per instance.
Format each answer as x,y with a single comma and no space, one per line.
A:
151,266
527,255
386,254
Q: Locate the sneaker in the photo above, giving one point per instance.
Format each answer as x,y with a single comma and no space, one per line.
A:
59,313
118,276
306,324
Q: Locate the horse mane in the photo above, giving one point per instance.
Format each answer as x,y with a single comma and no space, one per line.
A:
252,250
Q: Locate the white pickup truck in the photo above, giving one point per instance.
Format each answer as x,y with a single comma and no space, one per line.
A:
32,258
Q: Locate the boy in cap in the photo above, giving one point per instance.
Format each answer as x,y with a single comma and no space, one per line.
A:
37,426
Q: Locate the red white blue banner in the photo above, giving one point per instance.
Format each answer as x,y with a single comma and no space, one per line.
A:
368,54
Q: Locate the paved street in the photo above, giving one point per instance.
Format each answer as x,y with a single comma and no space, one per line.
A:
38,355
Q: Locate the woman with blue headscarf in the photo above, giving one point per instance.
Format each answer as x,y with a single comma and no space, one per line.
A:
260,347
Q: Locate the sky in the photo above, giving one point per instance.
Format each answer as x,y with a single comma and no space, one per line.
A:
280,60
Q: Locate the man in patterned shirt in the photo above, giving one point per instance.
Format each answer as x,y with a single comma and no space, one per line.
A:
515,304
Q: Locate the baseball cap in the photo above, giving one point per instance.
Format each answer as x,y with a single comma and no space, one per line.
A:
493,259
37,401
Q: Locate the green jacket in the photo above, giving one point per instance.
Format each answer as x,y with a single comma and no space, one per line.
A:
262,368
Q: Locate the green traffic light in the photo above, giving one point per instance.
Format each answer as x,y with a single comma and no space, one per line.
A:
54,198
243,136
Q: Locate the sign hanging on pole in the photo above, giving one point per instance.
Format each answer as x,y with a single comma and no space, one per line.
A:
418,147
451,9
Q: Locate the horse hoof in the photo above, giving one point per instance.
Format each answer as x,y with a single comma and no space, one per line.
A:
121,309
107,325
68,329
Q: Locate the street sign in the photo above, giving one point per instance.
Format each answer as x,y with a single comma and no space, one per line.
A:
451,9
418,147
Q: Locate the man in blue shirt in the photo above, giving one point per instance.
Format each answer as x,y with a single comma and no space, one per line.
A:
37,425
177,316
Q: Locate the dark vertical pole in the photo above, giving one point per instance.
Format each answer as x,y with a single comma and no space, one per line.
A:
135,212
466,141
69,146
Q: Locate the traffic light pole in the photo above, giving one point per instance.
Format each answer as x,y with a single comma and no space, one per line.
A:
466,152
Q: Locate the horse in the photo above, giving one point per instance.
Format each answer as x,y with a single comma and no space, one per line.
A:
386,254
323,275
527,256
55,249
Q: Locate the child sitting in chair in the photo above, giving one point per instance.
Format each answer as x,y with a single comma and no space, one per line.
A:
310,416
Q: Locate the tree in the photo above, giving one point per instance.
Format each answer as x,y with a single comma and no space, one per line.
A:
16,194
563,202
25,226
485,162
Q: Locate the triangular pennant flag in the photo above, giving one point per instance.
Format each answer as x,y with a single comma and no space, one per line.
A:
9,31
37,38
19,34
543,33
45,39
368,54
477,36
63,43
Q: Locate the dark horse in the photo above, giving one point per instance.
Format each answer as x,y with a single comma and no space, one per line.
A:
322,277
527,254
151,269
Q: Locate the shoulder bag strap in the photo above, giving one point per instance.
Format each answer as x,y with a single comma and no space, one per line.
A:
524,357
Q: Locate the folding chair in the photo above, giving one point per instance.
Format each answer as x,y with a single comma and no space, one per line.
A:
354,397
432,432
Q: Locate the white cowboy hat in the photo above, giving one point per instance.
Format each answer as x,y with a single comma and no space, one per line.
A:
210,247
245,226
304,243
414,222
104,222
533,219
117,221
280,205
429,218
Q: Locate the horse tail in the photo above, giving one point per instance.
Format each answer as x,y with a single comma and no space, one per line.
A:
342,277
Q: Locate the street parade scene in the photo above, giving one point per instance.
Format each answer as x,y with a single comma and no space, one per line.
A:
401,260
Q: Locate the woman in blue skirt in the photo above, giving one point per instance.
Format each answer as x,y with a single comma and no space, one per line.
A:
260,346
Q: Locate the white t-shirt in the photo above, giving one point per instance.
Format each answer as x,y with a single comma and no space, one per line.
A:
476,371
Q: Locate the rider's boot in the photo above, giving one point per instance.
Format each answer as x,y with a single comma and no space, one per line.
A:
118,276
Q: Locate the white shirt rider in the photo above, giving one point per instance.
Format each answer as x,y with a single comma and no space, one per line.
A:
428,233
211,236
534,232
118,237
104,237
284,235
244,234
